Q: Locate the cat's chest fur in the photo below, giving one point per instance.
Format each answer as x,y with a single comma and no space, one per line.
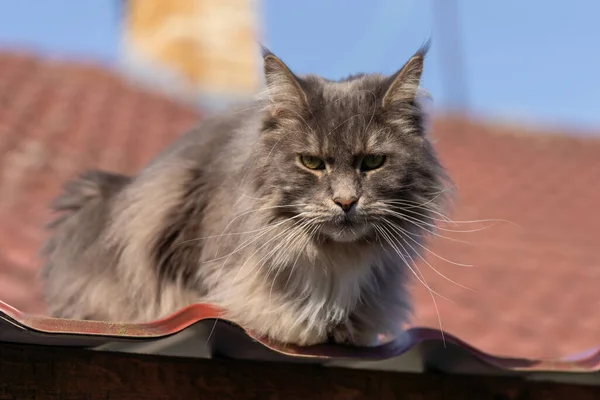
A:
338,273
318,288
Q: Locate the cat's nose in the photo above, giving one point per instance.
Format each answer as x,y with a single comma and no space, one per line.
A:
345,203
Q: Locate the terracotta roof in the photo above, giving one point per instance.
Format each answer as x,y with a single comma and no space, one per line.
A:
536,278
535,287
56,119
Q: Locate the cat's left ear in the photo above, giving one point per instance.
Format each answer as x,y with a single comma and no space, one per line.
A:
405,83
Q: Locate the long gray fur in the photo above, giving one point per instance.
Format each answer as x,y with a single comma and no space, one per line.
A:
228,215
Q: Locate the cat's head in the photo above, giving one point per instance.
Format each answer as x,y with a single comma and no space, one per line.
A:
349,158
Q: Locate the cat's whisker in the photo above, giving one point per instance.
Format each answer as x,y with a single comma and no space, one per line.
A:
445,219
274,264
409,218
310,234
264,198
410,205
260,209
284,243
429,231
263,245
286,246
434,198
416,204
292,247
436,194
241,267
422,279
305,293
403,237
389,239
388,236
272,256
426,212
225,262
226,234
210,218
277,274
413,214
252,239
239,233
405,233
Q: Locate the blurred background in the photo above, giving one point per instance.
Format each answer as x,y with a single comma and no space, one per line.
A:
515,116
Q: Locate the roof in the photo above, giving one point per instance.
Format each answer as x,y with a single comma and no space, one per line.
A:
535,278
534,290
55,120
198,331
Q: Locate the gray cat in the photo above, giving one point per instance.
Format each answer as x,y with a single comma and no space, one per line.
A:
300,215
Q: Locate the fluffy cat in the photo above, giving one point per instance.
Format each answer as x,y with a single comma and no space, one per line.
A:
299,215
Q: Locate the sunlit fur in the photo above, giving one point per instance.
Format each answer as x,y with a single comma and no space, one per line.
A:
228,215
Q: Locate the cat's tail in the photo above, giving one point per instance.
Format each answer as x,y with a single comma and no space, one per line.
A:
83,207
89,189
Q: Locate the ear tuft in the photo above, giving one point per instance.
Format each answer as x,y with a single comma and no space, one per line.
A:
405,83
283,86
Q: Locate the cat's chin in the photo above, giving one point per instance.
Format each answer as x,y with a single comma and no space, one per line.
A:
347,235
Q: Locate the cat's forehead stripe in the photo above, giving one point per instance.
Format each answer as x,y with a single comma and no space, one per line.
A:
357,91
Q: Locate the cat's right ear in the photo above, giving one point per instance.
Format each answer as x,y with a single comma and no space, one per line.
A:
405,83
283,87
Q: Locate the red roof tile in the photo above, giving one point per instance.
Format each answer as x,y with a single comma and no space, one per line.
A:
534,284
56,119
534,279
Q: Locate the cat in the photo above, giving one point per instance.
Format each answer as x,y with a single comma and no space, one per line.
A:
299,214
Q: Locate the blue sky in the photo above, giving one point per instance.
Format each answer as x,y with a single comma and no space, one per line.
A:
534,61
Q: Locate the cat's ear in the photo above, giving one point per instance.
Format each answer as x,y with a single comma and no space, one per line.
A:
283,87
405,83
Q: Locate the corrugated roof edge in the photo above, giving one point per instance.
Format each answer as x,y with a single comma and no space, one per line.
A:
427,349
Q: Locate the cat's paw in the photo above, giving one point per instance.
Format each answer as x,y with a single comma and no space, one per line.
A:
348,335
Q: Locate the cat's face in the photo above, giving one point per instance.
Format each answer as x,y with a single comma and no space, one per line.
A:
347,158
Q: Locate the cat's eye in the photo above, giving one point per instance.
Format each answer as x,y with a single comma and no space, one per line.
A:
371,162
312,162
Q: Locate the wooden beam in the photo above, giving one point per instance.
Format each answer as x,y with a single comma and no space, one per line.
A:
35,372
